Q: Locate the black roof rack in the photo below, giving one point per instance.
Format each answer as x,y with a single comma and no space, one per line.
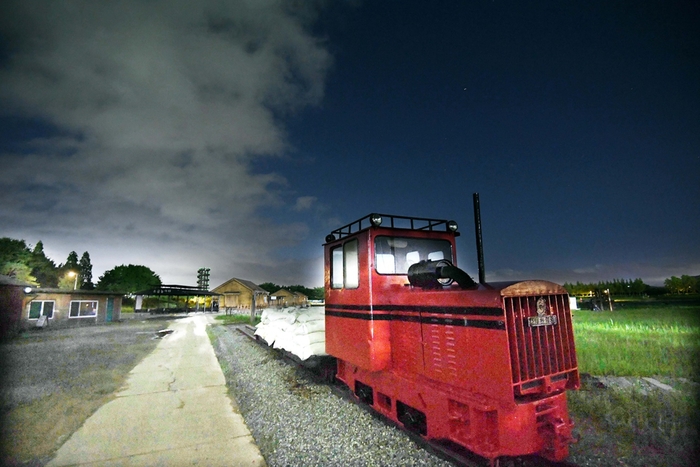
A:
392,222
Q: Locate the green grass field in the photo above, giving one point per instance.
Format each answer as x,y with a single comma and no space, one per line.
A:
639,341
656,339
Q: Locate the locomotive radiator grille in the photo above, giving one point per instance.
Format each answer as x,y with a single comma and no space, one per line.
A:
541,342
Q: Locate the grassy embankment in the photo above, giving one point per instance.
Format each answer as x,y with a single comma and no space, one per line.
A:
653,339
236,319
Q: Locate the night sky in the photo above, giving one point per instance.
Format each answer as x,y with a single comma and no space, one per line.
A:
235,135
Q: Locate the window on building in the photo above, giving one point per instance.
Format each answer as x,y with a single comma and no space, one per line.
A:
345,266
39,308
83,309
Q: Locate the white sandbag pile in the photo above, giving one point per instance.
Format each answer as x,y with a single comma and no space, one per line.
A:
299,331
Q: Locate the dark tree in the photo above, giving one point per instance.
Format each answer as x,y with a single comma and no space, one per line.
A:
38,248
44,269
302,290
684,284
270,287
616,287
72,262
18,271
13,251
85,268
319,293
637,287
128,279
14,260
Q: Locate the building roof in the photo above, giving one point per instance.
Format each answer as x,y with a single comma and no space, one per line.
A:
288,293
9,280
74,292
245,283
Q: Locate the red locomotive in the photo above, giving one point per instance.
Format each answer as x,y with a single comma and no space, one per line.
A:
482,365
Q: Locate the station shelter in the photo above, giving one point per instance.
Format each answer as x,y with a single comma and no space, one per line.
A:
177,299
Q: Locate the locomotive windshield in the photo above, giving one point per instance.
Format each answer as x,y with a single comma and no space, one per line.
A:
394,255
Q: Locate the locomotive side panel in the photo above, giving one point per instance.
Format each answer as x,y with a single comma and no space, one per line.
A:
471,358
354,331
453,336
407,345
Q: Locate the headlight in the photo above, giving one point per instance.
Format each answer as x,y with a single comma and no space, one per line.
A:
452,226
330,238
376,220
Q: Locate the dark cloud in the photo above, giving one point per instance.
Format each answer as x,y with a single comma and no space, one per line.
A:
157,110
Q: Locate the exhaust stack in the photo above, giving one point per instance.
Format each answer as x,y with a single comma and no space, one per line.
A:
479,243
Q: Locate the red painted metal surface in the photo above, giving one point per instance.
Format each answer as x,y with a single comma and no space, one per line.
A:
485,367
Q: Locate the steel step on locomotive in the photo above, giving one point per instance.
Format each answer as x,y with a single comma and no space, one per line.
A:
483,365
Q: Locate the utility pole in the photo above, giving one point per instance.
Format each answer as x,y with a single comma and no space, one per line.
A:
252,308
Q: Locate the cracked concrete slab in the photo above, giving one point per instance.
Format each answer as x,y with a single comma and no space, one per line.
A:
173,410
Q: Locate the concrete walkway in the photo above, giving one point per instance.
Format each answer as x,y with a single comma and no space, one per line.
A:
174,410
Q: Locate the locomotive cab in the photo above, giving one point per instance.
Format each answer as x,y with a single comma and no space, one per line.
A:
481,365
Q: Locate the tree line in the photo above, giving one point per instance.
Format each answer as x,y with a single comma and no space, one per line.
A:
682,285
616,287
674,285
31,265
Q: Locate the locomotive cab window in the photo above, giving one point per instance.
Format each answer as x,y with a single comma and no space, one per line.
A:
394,255
345,266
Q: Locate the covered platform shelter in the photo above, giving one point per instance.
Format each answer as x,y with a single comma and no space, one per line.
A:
176,299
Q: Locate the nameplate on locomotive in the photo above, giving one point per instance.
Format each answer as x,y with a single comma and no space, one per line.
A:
547,320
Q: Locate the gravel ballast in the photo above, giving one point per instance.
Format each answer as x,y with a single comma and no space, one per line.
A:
299,422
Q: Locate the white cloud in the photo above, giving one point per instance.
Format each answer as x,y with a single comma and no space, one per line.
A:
160,108
304,203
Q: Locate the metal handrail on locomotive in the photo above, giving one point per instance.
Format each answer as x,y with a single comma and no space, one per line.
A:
482,365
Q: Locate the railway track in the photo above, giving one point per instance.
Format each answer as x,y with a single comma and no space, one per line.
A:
452,453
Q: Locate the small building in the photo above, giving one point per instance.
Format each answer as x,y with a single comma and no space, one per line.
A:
284,297
239,293
56,307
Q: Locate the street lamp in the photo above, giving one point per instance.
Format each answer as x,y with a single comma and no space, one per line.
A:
74,274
